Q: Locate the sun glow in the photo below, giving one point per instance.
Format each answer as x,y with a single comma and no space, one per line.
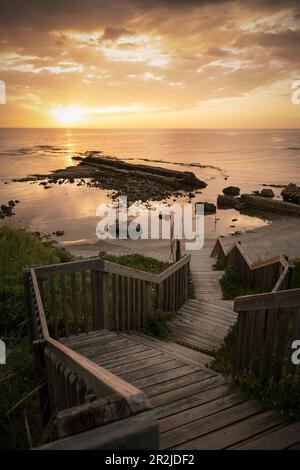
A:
67,115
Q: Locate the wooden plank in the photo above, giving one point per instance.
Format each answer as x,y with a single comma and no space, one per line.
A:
178,399
64,304
130,359
178,382
39,304
99,379
282,299
185,403
198,412
282,438
84,302
138,432
282,330
230,435
72,266
122,353
207,424
159,377
166,364
266,360
93,349
74,302
115,304
139,364
53,306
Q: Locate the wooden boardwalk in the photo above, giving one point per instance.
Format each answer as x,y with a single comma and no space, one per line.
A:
203,322
196,407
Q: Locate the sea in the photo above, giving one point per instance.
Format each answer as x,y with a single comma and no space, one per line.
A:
248,159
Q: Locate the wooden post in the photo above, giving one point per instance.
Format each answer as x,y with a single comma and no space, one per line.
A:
178,250
96,305
290,276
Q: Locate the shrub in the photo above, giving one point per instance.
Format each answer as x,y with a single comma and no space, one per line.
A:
137,261
157,324
233,285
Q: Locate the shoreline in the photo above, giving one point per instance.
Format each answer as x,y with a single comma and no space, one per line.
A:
280,237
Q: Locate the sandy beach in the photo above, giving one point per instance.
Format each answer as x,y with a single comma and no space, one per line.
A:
279,237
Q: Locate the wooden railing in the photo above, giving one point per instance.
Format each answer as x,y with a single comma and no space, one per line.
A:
273,274
81,296
266,328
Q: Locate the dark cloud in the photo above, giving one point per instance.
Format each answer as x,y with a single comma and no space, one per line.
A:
217,52
115,33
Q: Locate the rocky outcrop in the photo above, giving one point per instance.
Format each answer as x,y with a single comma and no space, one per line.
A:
226,201
270,205
291,193
209,207
267,193
231,191
138,182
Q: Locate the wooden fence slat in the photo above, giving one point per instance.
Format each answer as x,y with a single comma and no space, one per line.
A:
268,346
64,304
84,302
53,306
75,302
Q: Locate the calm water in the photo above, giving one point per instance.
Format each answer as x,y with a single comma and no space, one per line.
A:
247,158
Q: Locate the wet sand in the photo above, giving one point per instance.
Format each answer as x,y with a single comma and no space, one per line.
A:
282,236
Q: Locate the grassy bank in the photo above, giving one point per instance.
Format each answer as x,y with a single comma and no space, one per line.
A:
20,423
233,285
284,396
137,261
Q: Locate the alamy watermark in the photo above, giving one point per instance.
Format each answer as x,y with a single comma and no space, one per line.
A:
161,221
2,352
2,92
296,354
296,92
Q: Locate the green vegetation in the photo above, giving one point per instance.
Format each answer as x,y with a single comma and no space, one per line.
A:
20,422
233,285
296,277
137,261
224,357
18,249
284,396
157,324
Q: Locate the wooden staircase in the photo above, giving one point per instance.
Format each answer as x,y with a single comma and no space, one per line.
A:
202,323
196,407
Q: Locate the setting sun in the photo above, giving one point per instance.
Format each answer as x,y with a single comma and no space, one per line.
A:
66,115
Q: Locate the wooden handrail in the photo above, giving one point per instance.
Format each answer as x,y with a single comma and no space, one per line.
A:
39,304
266,328
99,264
98,379
225,257
269,300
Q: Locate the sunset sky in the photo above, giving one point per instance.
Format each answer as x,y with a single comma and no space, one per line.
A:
143,63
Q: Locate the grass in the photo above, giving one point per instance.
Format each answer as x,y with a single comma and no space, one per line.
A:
224,357
137,261
18,249
284,395
157,324
20,421
233,285
296,275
